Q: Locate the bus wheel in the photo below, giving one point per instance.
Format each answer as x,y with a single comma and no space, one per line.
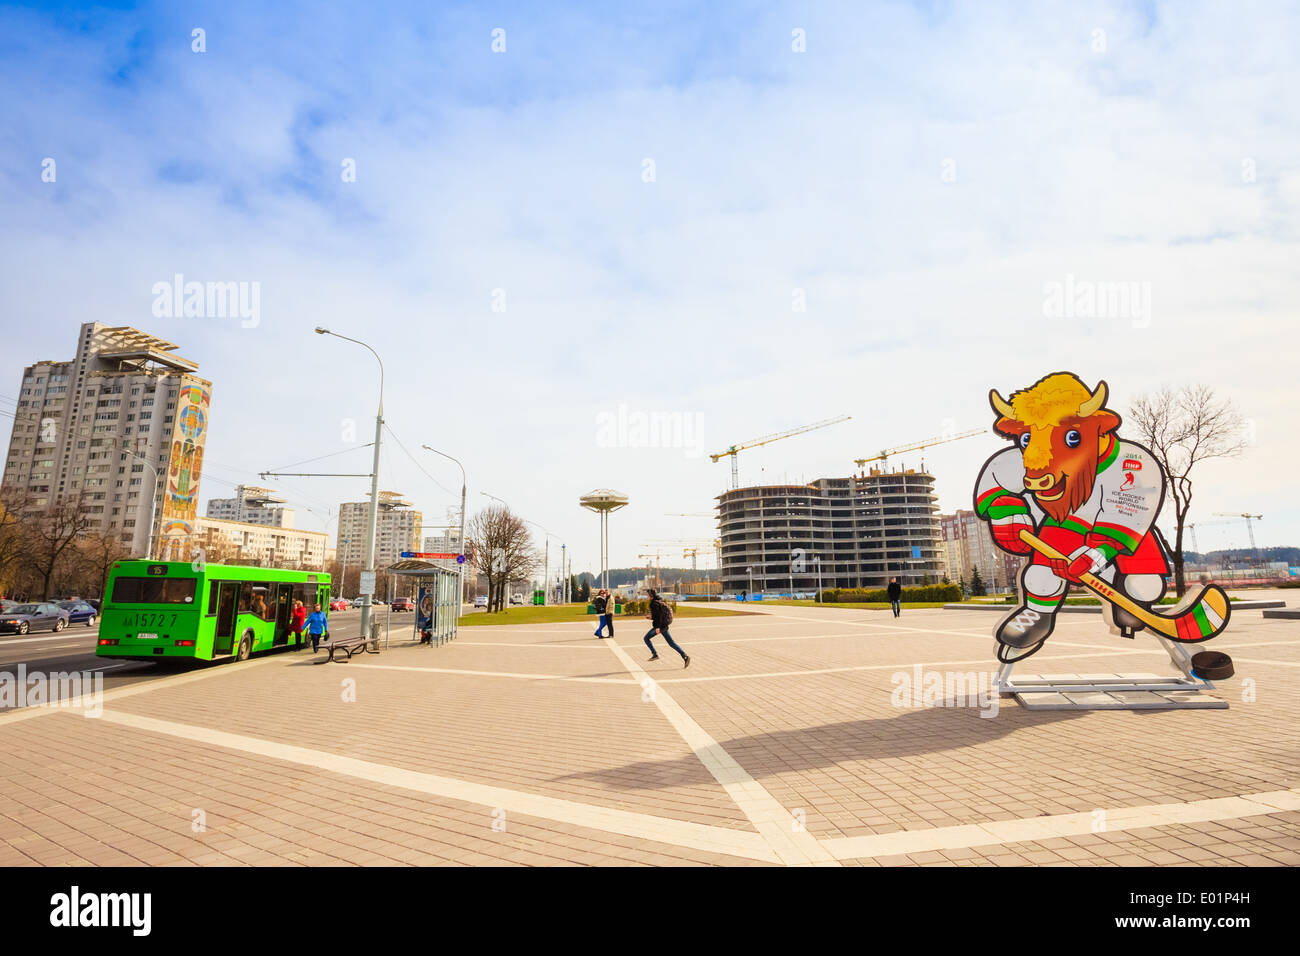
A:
245,648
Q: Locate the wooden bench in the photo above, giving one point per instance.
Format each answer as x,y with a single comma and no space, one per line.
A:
349,646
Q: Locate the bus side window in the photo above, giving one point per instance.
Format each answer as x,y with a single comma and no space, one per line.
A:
212,599
267,604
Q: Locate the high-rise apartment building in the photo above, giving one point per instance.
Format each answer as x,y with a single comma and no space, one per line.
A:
116,433
252,505
397,530
448,542
846,532
970,546
268,546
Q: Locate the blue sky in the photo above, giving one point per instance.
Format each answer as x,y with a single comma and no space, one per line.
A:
920,174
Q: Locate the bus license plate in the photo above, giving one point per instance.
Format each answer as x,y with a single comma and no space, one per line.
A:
147,637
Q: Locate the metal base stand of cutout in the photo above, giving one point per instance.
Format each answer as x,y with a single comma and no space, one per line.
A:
1113,691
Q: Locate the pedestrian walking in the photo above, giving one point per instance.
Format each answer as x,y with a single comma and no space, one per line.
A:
611,605
661,615
298,623
895,591
598,602
317,625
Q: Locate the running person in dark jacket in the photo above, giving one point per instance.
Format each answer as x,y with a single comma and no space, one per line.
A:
598,602
895,591
659,619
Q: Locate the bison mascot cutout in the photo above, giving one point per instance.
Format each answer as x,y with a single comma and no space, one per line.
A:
1089,501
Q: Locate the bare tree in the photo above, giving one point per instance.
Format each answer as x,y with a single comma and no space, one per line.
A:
100,552
1184,427
49,539
503,551
11,543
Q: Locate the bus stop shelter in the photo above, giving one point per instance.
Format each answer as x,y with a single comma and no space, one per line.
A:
437,600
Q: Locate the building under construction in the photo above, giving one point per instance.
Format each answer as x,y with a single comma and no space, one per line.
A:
860,530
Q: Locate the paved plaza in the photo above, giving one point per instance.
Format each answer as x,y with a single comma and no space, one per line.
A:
787,741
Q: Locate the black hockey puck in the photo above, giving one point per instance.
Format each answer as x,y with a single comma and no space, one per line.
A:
1212,665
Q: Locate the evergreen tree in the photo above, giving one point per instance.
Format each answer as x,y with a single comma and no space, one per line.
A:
977,588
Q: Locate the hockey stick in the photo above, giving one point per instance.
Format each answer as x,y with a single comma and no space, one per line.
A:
1204,618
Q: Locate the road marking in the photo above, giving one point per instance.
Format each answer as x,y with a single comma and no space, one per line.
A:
644,826
5,642
898,627
557,645
774,822
471,673
1033,829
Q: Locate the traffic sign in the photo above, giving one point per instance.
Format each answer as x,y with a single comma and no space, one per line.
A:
432,555
460,559
367,584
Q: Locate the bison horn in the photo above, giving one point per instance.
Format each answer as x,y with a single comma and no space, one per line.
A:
1000,404
1092,405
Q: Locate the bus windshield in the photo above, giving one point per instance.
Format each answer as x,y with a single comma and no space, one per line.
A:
153,591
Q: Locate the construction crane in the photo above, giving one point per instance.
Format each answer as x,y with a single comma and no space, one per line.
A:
693,554
658,583
1250,529
937,440
768,439
1193,525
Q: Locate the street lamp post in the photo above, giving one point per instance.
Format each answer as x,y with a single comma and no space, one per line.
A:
153,503
546,572
460,599
343,573
373,524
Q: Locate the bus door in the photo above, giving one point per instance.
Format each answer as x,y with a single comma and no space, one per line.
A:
227,601
283,614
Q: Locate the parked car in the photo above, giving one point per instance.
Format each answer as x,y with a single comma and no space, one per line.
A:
403,604
34,617
339,604
357,602
516,599
481,601
80,612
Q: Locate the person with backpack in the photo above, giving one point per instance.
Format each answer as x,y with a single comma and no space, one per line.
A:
661,615
599,603
895,592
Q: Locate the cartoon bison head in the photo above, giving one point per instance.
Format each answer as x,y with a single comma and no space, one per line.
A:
1062,429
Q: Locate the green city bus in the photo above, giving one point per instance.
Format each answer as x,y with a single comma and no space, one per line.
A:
169,609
